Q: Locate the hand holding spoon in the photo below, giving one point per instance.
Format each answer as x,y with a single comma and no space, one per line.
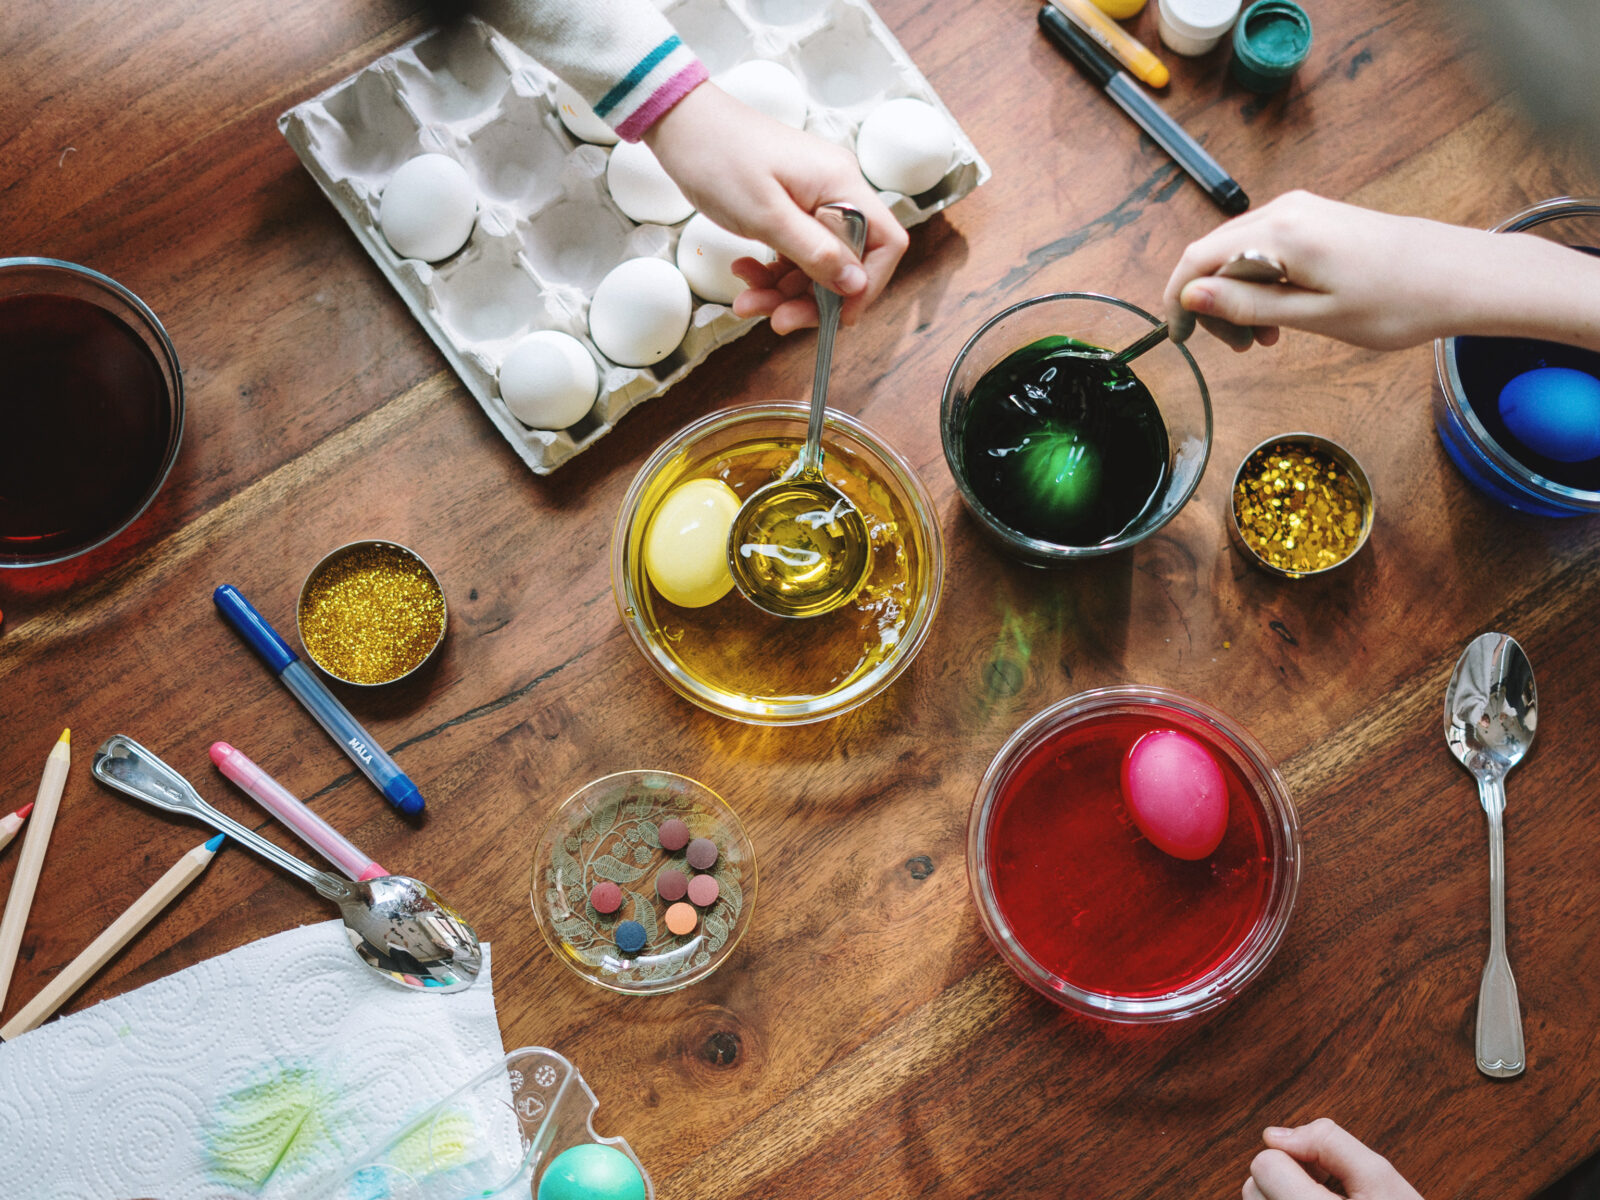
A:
398,926
1252,266
1490,714
798,547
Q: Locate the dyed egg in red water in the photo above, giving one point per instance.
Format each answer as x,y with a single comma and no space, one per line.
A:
1175,794
1084,906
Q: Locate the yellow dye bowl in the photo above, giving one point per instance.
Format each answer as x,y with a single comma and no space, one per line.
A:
733,659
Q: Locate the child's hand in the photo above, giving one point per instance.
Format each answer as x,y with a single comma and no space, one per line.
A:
1364,277
761,179
1299,1161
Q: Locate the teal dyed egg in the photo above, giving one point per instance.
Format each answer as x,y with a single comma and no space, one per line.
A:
1555,412
1061,471
592,1172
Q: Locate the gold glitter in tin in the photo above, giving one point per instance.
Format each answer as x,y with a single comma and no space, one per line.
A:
371,613
1298,508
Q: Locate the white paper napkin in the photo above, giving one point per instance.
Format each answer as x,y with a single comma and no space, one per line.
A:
247,1075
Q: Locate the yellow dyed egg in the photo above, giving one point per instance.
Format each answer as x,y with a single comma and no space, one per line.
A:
686,546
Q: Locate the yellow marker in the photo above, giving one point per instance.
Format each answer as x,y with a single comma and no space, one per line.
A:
1127,50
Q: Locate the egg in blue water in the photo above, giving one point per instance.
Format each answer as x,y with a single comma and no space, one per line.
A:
1555,412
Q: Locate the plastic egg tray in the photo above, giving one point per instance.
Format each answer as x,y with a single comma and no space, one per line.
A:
548,230
494,1136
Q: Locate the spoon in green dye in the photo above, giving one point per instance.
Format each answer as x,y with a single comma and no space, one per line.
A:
1251,266
798,547
398,926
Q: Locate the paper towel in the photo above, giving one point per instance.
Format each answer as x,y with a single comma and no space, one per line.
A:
247,1075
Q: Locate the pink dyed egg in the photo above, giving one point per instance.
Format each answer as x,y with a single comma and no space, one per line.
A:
1175,793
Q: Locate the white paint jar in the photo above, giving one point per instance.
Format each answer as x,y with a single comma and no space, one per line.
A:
1193,27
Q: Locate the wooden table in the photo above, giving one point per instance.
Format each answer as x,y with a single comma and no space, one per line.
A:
865,1040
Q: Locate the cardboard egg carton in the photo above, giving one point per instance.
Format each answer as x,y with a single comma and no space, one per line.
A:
547,229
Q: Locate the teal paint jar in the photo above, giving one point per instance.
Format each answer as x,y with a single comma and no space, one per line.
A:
1271,40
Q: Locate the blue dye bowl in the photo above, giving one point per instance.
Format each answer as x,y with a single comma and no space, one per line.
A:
1501,472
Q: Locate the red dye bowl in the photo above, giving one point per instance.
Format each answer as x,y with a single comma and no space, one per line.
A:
1084,907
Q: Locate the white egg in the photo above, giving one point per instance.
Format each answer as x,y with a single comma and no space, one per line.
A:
580,119
705,256
767,87
905,146
428,208
640,312
549,380
642,189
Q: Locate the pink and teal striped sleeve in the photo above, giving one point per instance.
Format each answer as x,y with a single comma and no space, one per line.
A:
655,83
622,56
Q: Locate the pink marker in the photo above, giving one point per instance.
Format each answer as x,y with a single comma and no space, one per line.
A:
11,822
277,800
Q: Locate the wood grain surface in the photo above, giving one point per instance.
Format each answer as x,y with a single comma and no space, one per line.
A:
864,1040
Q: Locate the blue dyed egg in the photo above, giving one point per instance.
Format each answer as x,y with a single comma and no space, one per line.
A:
1555,412
592,1172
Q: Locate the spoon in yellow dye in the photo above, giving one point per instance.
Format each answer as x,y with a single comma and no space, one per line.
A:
798,547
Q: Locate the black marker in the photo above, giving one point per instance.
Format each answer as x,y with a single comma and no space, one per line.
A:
1168,134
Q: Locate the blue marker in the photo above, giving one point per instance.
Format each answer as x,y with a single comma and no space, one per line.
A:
319,701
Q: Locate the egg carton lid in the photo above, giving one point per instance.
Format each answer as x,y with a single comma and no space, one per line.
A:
306,127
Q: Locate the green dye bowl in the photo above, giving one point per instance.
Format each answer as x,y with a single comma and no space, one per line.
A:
1168,371
1270,42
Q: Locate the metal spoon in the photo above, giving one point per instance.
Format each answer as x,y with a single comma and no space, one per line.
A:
1252,266
398,926
1490,713
798,547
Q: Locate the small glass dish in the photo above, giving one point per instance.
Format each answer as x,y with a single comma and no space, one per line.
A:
1168,371
608,831
1062,876
735,660
1280,562
87,460
384,630
1520,481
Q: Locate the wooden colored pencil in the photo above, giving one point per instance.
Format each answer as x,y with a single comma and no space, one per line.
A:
31,861
11,822
117,935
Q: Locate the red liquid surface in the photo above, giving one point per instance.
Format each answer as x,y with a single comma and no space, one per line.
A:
86,419
1089,898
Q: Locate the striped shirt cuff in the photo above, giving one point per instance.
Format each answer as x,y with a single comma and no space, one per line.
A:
657,81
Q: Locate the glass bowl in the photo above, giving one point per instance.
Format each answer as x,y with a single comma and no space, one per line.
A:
608,831
1168,371
1089,912
735,660
1471,435
84,467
